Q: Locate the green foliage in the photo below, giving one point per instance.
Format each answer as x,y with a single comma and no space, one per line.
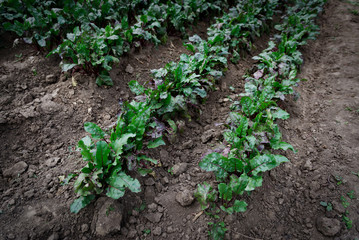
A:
94,34
351,194
328,206
344,202
110,155
205,194
348,222
237,28
252,133
217,230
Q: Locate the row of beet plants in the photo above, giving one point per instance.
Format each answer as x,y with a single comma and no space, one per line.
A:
93,34
144,122
253,134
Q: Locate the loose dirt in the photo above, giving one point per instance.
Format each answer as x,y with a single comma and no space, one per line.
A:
42,117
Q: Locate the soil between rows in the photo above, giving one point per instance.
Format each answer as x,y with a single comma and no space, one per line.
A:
42,119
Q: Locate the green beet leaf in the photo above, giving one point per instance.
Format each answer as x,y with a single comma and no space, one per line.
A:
238,184
144,157
240,206
136,88
266,162
280,114
102,152
283,145
253,183
215,162
104,79
118,183
217,231
118,144
156,143
144,171
95,131
84,145
81,202
205,194
225,192
67,66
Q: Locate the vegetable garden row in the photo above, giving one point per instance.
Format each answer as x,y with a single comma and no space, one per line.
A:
101,36
93,35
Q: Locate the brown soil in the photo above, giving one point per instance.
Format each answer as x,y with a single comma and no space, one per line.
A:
41,120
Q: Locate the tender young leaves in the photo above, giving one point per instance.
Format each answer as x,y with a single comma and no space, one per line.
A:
215,162
266,162
95,131
217,230
252,132
156,143
118,182
81,202
110,154
205,194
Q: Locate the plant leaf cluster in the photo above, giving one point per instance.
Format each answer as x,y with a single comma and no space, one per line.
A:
252,132
94,34
110,156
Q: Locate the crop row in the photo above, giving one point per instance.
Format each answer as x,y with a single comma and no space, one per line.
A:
252,134
143,122
94,34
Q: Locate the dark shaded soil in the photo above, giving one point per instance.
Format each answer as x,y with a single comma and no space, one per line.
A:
41,120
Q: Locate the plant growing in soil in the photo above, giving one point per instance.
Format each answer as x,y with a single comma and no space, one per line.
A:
111,155
348,222
328,206
252,132
93,34
351,194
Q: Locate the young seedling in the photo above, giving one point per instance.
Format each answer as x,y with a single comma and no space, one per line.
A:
339,179
18,57
344,201
142,207
348,222
328,206
217,230
351,194
109,209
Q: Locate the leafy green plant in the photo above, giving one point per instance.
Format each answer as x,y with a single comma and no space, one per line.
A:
110,155
93,34
348,222
217,231
252,132
328,206
344,202
351,194
94,49
339,179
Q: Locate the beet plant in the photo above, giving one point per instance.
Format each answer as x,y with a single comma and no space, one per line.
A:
252,133
110,155
143,122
